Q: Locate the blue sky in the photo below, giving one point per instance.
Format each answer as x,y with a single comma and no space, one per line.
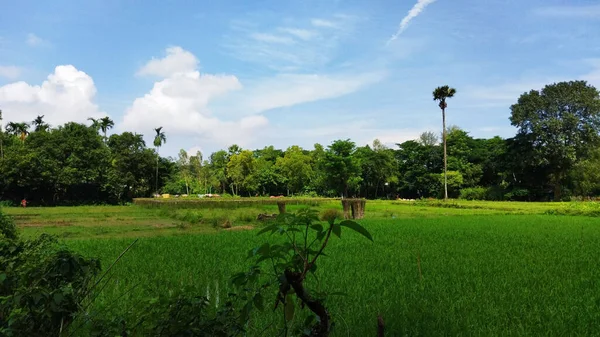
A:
283,73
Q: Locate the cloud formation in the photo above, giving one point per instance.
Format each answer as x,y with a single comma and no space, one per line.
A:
417,9
569,11
10,72
176,61
287,90
67,95
35,41
179,102
290,46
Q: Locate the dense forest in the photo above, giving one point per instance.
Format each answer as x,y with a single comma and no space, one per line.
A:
553,156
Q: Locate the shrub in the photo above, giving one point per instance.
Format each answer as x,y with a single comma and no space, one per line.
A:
331,215
474,193
517,194
7,227
42,283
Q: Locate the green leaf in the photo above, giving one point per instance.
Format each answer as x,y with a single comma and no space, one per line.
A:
317,227
357,228
58,298
271,228
338,293
337,230
290,308
264,250
258,302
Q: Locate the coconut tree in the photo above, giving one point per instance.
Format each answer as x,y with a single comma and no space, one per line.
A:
95,123
39,124
20,130
1,136
440,94
159,140
105,124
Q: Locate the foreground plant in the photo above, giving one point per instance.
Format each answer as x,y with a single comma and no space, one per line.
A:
289,264
42,283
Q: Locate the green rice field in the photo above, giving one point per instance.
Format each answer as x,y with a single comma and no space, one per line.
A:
456,268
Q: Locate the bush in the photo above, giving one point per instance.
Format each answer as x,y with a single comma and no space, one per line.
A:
7,227
517,194
474,193
42,284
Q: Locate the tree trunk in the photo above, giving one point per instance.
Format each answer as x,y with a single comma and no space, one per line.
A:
281,207
445,155
156,183
347,209
557,187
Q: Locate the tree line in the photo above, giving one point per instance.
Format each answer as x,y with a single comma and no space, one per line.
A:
553,156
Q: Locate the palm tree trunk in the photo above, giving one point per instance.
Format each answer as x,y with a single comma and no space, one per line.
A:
445,156
156,181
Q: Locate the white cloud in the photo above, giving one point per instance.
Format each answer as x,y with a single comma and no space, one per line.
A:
590,11
292,89
176,61
10,72
323,23
413,13
270,38
67,95
303,34
35,41
179,103
298,45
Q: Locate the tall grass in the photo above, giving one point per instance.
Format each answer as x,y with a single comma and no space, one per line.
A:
467,275
228,203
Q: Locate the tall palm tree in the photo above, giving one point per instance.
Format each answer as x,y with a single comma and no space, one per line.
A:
1,136
106,124
95,123
441,94
39,124
159,140
20,130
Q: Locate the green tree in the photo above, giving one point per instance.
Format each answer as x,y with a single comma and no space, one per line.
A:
561,125
428,138
39,124
20,130
340,166
159,139
131,165
441,94
296,168
240,170
418,169
218,169
183,163
105,124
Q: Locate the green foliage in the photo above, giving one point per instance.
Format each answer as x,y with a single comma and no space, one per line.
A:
42,284
561,124
474,193
8,229
289,263
340,166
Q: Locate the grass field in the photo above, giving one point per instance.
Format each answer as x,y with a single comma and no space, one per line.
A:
486,268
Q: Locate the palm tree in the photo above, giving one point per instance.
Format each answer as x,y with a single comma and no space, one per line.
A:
105,124
159,140
39,124
1,136
95,123
441,94
20,130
